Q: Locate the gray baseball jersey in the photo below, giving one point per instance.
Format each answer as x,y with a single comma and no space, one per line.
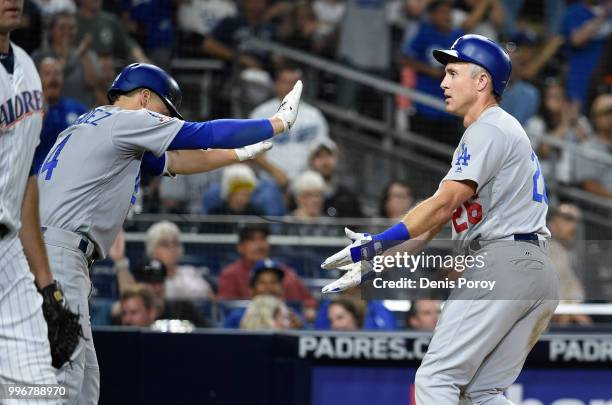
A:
496,154
91,175
21,114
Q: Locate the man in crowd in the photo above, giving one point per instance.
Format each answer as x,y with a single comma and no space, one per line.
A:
253,245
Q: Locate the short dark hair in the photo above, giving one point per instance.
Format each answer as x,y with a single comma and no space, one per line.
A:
142,292
248,232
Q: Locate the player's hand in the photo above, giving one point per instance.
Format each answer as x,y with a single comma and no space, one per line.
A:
252,151
349,254
288,110
356,274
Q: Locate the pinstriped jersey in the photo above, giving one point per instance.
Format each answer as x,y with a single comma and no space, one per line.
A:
21,115
510,198
91,175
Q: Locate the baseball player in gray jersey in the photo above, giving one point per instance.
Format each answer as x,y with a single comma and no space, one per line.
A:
91,175
24,349
495,198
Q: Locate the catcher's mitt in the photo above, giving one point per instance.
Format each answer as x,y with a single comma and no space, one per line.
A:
62,323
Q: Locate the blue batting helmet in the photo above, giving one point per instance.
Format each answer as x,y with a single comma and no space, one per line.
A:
483,52
143,75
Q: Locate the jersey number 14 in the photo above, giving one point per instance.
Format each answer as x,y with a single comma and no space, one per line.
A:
52,159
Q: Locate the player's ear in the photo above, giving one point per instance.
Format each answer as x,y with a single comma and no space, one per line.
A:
483,80
145,97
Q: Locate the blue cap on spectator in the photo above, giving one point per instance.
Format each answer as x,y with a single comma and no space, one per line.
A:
524,38
263,266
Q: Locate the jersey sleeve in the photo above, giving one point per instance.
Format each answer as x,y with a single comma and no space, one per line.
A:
156,166
144,130
479,156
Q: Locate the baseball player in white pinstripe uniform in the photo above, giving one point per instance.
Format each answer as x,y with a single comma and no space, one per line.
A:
24,348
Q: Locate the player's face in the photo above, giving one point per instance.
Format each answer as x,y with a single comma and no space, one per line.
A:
460,88
52,79
10,15
340,318
134,313
268,283
255,248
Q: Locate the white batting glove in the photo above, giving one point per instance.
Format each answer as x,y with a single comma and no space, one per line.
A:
343,257
288,110
356,274
252,151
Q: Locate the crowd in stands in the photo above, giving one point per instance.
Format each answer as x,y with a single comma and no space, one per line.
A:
560,89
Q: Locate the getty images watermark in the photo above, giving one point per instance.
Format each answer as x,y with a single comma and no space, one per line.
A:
404,260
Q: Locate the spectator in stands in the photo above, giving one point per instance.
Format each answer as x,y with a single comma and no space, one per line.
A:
365,44
339,200
585,27
50,7
197,19
435,33
290,151
138,307
253,245
404,19
483,17
150,22
230,32
553,14
521,98
266,312
396,200
237,184
267,196
266,278
601,81
29,36
152,273
108,37
423,314
163,243
563,227
560,119
82,77
374,315
345,313
328,15
299,28
308,191
595,176
61,111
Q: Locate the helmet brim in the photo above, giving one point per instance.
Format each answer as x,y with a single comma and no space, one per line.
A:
445,56
172,108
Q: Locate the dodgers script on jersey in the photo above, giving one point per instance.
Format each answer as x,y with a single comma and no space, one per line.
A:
21,114
496,154
91,175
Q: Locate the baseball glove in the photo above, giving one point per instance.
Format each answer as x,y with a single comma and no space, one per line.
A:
63,325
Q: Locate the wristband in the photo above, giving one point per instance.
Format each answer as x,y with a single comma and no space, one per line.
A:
395,235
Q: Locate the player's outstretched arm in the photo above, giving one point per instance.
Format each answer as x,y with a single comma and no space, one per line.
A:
200,160
432,213
230,134
31,238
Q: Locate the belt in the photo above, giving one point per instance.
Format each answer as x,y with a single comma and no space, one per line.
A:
519,237
71,240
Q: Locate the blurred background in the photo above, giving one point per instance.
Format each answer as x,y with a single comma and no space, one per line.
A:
240,248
